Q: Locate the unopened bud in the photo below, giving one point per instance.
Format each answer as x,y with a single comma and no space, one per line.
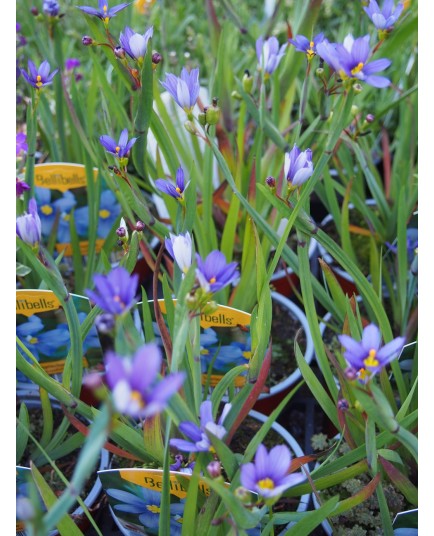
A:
121,232
370,118
350,373
319,72
202,118
190,127
271,182
358,88
212,113
140,226
214,469
354,110
119,52
86,40
156,58
236,95
247,82
343,404
120,243
34,11
243,494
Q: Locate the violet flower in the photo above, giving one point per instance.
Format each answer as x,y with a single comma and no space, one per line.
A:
367,357
385,18
29,225
308,46
40,77
103,12
180,249
199,435
120,149
50,8
298,166
134,382
72,63
350,60
114,292
134,44
268,476
174,191
269,54
21,143
214,273
184,89
21,187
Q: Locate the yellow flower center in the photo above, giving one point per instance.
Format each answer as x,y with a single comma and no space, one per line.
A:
33,340
178,189
66,217
266,483
204,351
137,397
247,355
104,214
364,374
117,299
39,81
371,360
117,149
106,20
154,508
47,210
357,69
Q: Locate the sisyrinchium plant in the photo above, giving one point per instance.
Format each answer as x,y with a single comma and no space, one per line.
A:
208,135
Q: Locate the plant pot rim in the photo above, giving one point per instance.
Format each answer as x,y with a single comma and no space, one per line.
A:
295,376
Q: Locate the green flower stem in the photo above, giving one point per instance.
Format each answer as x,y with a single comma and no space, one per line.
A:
31,143
58,89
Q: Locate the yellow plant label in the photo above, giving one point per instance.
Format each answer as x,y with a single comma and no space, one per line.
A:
29,302
153,479
61,176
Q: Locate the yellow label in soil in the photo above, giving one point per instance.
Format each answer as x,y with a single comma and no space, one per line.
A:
29,302
56,367
153,479
222,317
61,176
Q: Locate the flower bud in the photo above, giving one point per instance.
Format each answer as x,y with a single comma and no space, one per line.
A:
156,58
202,118
119,52
34,11
87,40
247,82
357,88
243,494
370,118
120,243
343,404
319,72
190,127
354,110
121,232
214,469
271,182
350,373
212,113
140,226
236,95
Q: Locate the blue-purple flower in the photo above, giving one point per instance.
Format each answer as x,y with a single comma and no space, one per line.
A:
184,89
200,441
135,44
121,148
72,63
109,210
39,77
22,186
103,12
268,476
174,191
214,273
29,226
350,60
50,8
298,166
180,249
367,357
308,46
48,211
21,143
134,382
269,54
385,18
115,292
